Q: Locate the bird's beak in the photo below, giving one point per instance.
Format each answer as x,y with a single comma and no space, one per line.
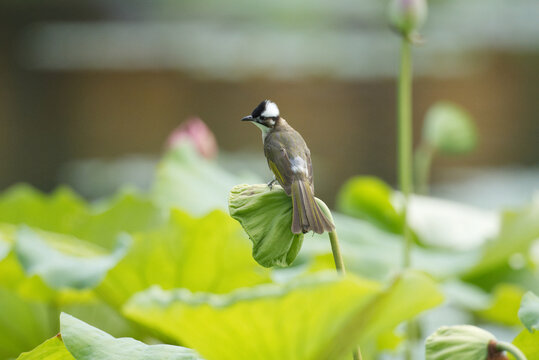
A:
247,118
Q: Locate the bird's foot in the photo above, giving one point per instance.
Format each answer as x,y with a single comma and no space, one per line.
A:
270,184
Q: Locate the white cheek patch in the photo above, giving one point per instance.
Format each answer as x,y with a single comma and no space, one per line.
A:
299,166
271,110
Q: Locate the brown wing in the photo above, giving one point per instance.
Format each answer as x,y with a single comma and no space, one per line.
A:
282,146
310,167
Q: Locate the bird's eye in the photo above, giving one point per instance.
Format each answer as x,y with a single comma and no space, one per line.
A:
262,117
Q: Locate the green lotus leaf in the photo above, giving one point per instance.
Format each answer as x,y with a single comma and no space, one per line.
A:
64,212
463,342
205,254
30,308
266,216
26,318
78,266
128,212
449,129
86,342
23,323
61,212
504,307
14,278
519,229
6,239
529,311
411,293
52,349
322,316
80,341
188,181
528,343
297,320
369,198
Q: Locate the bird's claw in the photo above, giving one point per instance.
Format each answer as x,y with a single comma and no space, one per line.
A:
270,184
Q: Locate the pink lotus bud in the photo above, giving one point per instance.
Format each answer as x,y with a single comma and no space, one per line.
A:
195,131
407,16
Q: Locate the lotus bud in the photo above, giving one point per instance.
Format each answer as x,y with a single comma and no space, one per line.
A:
463,342
449,129
407,16
194,131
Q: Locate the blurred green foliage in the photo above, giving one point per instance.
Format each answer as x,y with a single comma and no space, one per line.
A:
369,198
81,341
180,270
358,310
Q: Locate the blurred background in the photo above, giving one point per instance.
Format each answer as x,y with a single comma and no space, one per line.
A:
90,90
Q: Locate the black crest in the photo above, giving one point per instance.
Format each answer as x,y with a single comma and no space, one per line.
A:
259,109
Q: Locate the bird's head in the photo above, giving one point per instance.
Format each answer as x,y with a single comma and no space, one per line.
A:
265,115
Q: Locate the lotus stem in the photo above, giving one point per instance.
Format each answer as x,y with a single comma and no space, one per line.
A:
339,265
510,348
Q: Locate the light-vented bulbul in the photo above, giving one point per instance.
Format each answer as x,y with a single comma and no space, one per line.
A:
289,159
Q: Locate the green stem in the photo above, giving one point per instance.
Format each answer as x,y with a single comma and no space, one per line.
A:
336,250
339,265
510,348
404,126
423,161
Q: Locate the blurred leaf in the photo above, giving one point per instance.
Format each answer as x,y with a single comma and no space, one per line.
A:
505,305
518,231
410,294
369,198
128,212
529,311
528,343
206,254
64,270
86,342
318,317
52,349
191,182
449,129
375,253
268,321
6,239
62,211
266,216
12,277
389,341
449,224
436,222
33,294
466,296
81,341
23,323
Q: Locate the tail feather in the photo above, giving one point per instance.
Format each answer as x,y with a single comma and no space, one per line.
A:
307,215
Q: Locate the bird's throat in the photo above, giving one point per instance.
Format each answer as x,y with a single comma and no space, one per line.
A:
265,130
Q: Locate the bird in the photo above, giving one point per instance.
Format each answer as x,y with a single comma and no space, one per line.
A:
289,159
